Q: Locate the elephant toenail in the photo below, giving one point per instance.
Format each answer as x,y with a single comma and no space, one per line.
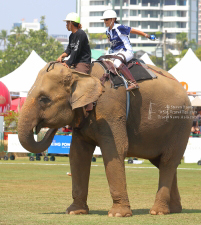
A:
72,213
160,213
153,212
118,215
110,215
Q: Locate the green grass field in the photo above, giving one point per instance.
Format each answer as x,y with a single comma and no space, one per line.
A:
39,192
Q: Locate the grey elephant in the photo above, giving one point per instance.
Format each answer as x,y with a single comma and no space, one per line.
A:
157,129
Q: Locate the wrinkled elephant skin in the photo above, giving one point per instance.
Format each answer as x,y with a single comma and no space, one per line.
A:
157,129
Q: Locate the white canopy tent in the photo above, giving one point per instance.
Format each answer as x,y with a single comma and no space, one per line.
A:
146,59
21,79
196,101
188,71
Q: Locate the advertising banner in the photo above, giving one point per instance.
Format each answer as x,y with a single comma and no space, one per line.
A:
60,144
14,144
192,153
1,124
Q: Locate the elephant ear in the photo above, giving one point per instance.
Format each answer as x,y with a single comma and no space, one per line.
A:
85,89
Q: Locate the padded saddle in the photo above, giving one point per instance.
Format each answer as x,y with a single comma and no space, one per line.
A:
137,67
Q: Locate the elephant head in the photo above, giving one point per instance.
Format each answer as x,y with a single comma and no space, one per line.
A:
52,101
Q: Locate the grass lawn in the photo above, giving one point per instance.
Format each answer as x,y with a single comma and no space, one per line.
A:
39,192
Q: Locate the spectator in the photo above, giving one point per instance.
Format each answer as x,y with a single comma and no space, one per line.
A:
195,129
198,117
67,129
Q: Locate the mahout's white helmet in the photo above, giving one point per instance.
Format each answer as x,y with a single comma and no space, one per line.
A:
109,14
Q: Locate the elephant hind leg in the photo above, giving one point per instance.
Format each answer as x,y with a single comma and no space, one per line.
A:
175,200
163,196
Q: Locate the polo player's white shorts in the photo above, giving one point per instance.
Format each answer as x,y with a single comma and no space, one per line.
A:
128,55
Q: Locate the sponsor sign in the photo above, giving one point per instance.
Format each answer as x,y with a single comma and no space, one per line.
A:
192,153
60,144
14,144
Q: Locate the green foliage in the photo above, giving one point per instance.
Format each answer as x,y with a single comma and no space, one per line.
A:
170,61
11,121
193,44
98,36
3,37
157,61
183,53
158,34
198,53
182,40
92,44
21,44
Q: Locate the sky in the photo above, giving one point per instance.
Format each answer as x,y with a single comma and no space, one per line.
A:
55,11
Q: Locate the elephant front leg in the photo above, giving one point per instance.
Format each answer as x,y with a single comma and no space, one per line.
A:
80,162
113,156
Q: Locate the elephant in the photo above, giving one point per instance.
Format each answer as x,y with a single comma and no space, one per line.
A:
157,129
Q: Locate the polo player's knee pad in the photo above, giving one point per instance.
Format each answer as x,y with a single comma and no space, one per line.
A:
117,63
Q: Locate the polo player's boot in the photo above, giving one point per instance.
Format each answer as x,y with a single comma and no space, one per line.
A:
132,84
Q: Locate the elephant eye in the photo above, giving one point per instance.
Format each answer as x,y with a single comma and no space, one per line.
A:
44,100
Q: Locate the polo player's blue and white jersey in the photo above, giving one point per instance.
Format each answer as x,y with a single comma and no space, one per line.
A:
118,37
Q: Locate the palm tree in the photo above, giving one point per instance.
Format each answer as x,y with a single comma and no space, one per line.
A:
3,37
18,31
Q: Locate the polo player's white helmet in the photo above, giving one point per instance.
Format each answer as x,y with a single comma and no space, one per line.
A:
109,14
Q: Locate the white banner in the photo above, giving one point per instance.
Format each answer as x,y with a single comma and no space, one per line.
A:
1,124
192,153
14,144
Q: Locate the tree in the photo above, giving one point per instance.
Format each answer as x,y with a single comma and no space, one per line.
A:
91,43
3,37
183,53
18,32
158,61
170,61
193,45
198,53
182,40
42,23
11,121
159,34
21,44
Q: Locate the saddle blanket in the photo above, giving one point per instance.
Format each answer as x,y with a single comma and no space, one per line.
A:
138,69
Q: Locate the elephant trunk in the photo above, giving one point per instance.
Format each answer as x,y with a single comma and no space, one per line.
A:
26,124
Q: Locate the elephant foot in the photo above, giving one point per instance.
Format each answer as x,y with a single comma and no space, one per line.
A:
120,211
159,210
175,207
77,209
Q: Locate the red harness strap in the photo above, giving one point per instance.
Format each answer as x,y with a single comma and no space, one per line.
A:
161,73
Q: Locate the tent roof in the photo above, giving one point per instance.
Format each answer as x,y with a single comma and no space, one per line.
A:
196,101
21,79
188,70
146,59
